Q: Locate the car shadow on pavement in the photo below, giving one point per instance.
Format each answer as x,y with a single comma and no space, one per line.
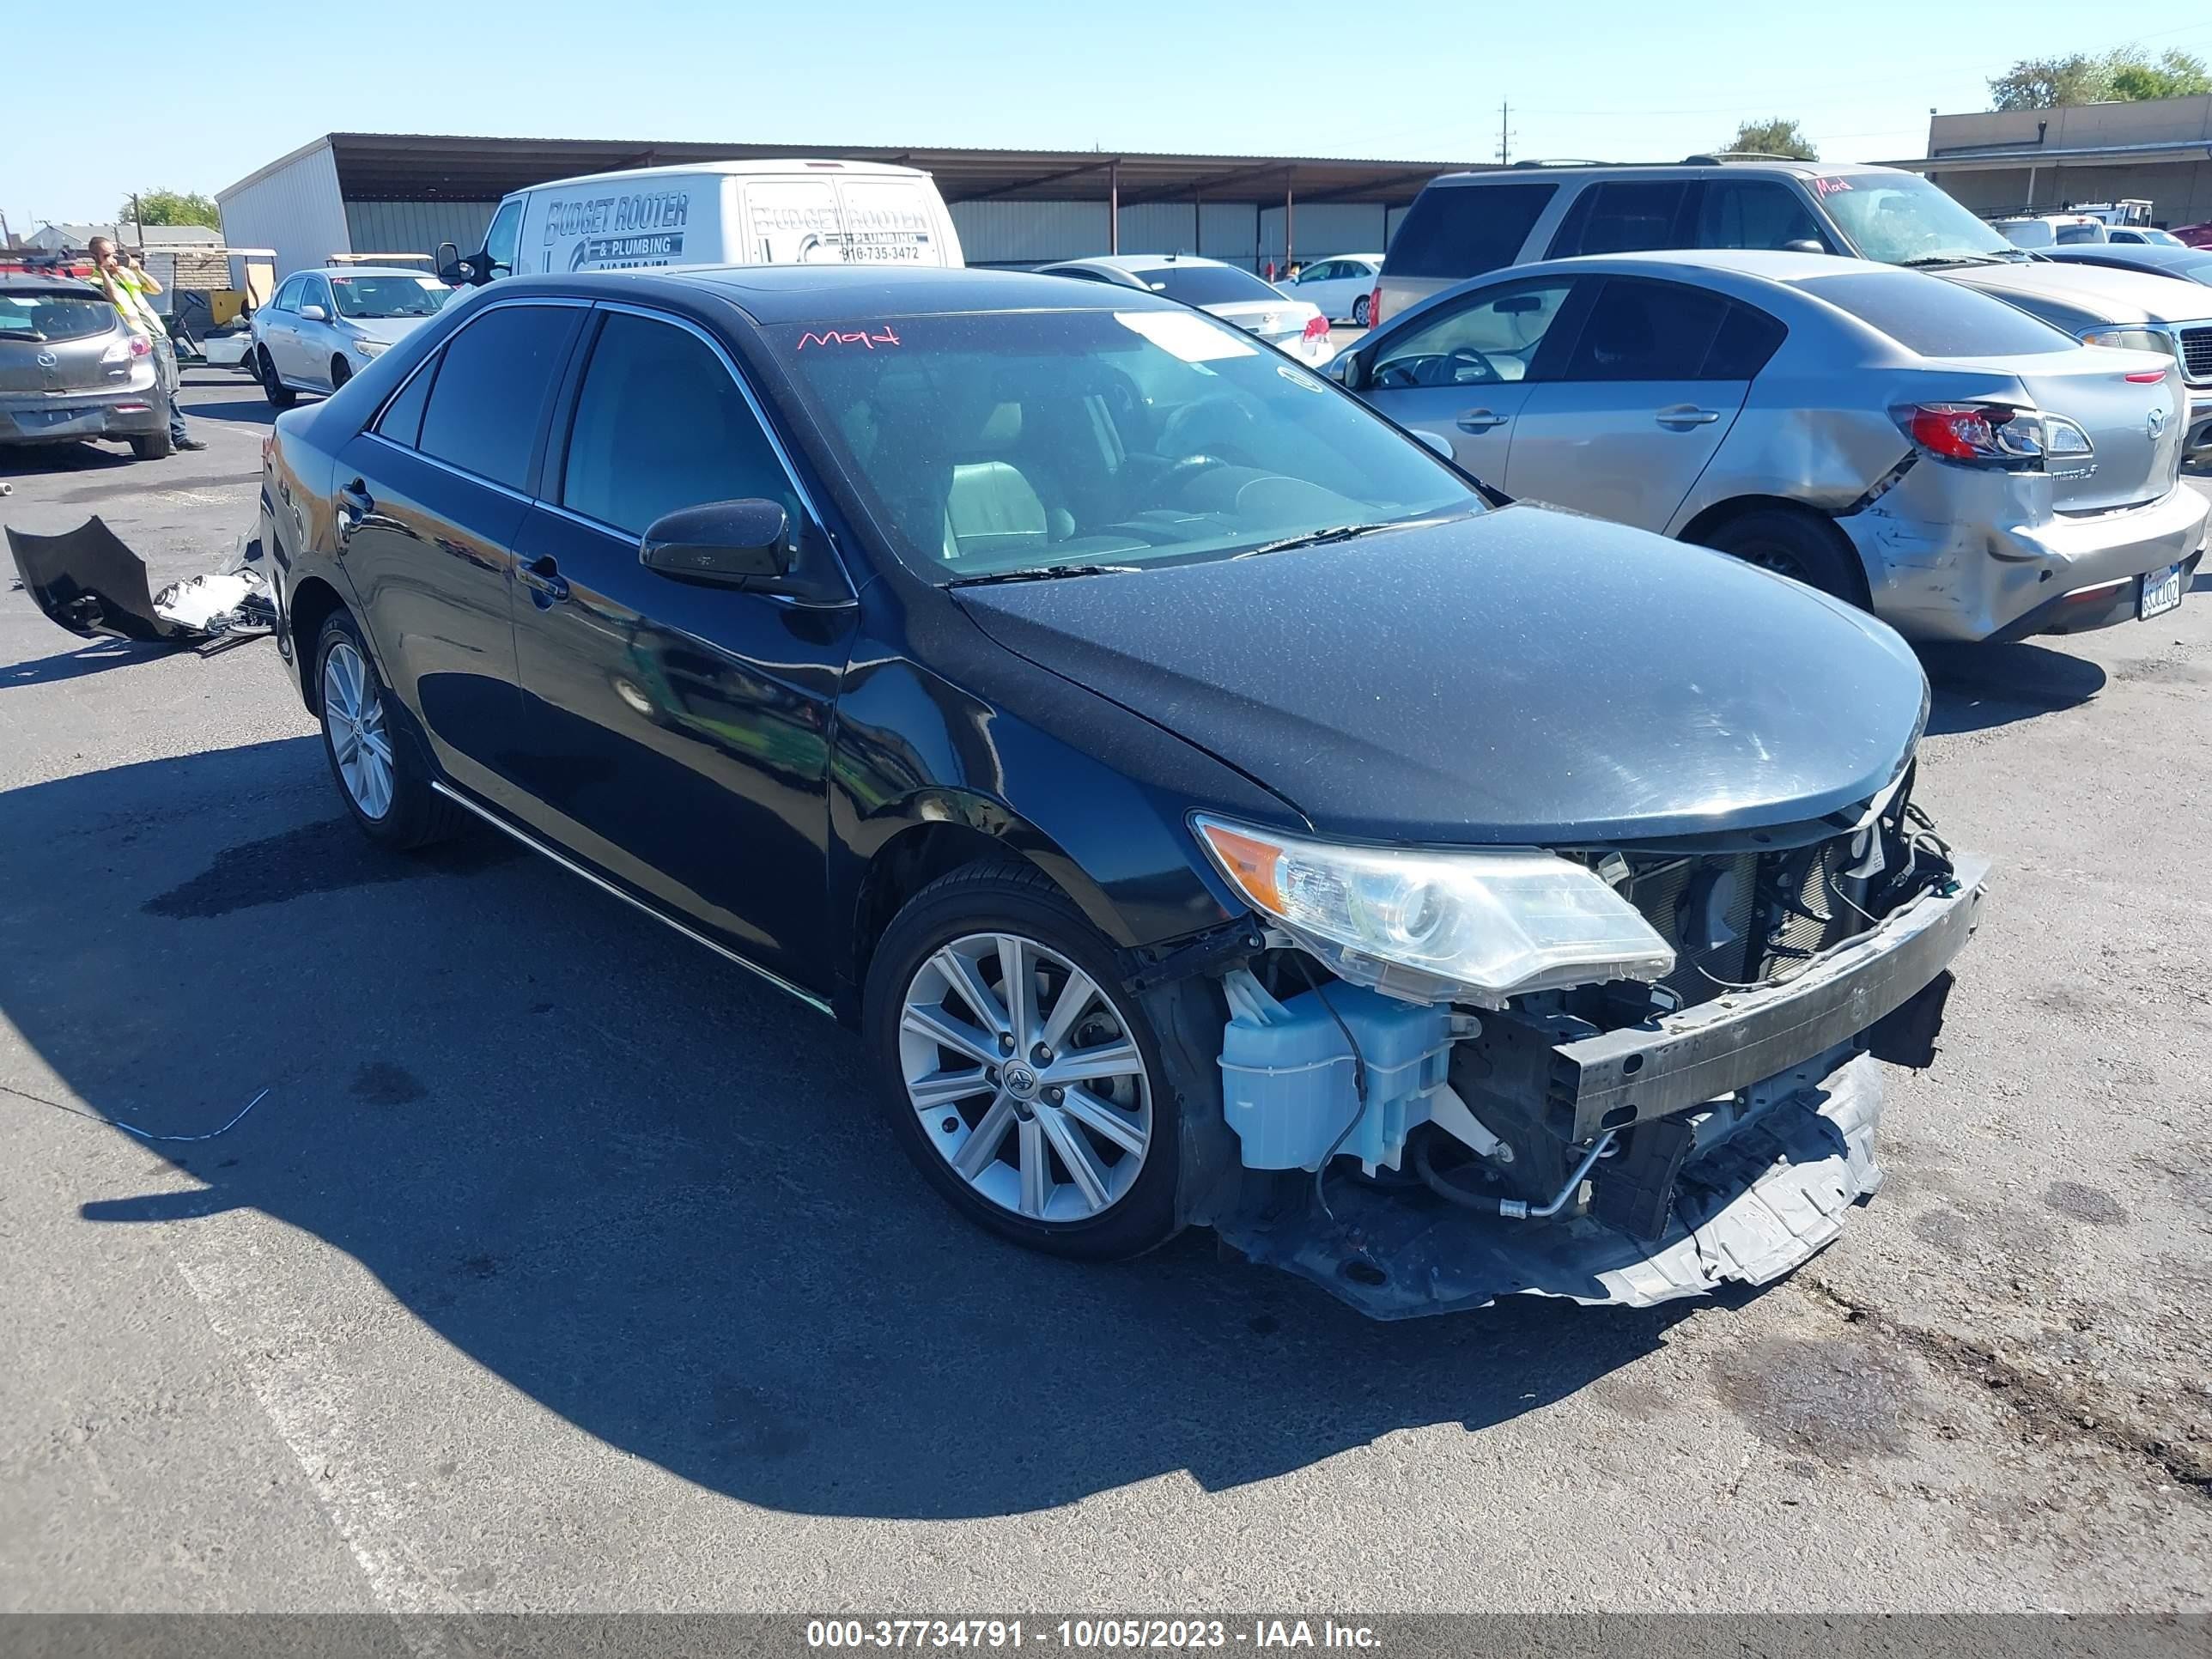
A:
642,1188
92,658
41,460
237,410
1975,687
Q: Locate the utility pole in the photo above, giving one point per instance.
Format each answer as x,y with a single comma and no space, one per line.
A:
1505,137
138,217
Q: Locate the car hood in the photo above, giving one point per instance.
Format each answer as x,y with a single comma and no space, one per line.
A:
1522,676
390,330
2115,297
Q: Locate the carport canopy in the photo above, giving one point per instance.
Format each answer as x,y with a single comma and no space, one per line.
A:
418,167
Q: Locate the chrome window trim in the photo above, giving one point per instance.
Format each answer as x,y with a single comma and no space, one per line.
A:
498,822
460,472
369,427
745,390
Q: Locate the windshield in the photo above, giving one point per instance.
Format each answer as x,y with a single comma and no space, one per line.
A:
388,297
993,443
1206,285
1899,218
2162,239
54,316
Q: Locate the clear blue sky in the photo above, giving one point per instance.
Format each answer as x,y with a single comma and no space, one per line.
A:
219,93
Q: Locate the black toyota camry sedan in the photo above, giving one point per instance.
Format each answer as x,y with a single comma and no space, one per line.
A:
1209,806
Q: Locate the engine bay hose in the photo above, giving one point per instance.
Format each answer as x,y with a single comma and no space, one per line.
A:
1512,1209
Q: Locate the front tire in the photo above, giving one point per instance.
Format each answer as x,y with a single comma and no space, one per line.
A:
1794,543
1045,1115
280,395
381,777
341,371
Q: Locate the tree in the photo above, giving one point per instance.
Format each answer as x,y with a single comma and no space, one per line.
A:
171,207
1774,137
2125,73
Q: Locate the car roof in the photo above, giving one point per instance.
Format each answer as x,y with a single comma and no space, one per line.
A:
1136,262
821,294
1774,265
788,165
26,282
1525,170
363,270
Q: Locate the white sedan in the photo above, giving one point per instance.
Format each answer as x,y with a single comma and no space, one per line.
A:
1340,287
1229,292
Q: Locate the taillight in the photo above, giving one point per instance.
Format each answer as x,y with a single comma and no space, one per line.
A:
1982,433
124,349
1316,327
140,346
1374,307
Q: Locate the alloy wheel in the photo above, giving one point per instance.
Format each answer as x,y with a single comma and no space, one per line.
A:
353,715
1025,1077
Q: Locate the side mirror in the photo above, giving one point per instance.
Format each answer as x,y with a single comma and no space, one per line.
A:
313,314
1435,440
729,543
1346,370
1803,245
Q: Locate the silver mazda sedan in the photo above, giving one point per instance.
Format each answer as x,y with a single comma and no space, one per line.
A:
1959,468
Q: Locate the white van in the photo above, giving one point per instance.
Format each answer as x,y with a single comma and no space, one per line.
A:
715,213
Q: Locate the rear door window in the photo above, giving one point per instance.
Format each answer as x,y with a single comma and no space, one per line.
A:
492,389
1457,231
1755,213
660,425
1624,216
1937,318
1639,329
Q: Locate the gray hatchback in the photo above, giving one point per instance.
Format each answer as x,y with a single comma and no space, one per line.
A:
70,370
1958,467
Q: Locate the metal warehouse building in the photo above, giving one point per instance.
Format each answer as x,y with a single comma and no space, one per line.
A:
2001,161
359,192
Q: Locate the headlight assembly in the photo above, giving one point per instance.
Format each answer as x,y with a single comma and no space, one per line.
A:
1480,925
369,348
2131,339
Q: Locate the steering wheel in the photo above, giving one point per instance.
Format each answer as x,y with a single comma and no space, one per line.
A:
1461,357
1181,472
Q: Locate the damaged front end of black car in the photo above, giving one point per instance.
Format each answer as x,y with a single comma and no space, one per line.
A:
1705,1113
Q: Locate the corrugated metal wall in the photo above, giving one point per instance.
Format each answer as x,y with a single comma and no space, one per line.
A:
1242,232
1028,233
1322,229
417,226
294,209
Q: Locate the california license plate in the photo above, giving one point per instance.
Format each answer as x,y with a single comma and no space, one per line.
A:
2162,593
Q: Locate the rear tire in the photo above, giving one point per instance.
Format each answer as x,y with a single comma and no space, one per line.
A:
280,395
1794,543
1359,311
153,445
940,967
381,776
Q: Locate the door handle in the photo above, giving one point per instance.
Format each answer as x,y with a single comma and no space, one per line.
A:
543,576
1479,420
1685,415
355,504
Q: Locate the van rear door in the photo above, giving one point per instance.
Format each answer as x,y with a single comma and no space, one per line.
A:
895,222
791,221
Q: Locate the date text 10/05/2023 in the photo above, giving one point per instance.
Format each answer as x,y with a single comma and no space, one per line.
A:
1125,1634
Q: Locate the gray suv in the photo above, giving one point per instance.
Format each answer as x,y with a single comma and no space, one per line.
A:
1467,224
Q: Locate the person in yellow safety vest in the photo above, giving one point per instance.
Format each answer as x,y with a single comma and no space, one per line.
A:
128,286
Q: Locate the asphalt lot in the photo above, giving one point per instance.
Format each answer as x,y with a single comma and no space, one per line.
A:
564,1267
